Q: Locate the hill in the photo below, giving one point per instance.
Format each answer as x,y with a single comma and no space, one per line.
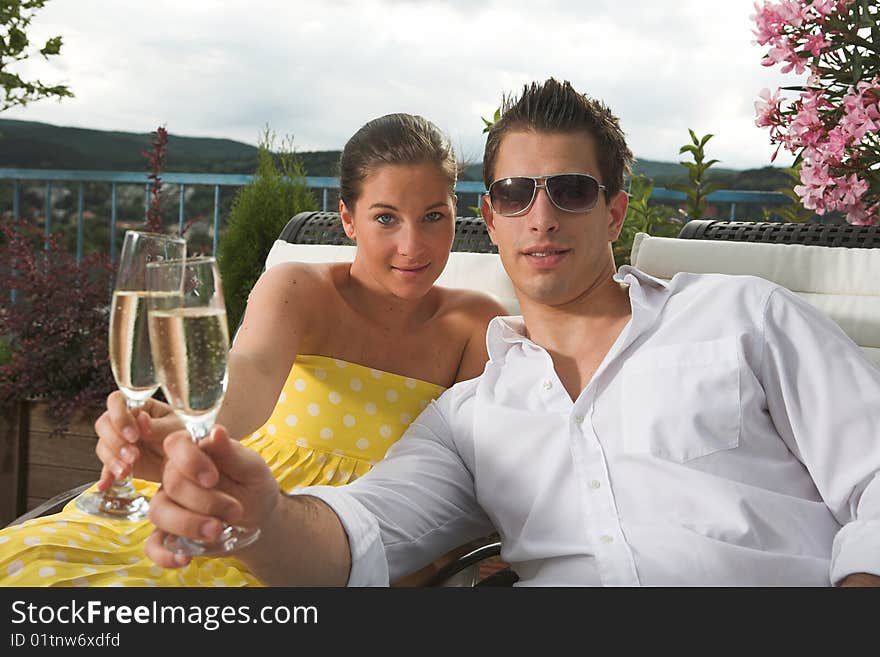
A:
26,144
32,145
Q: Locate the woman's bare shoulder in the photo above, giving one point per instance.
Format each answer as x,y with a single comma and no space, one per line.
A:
469,304
288,301
294,279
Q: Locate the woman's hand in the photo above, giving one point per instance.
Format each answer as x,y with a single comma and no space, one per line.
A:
131,443
204,485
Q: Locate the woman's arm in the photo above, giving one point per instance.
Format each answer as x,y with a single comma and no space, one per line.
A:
276,320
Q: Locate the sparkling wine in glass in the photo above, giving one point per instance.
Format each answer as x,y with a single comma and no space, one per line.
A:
190,346
130,356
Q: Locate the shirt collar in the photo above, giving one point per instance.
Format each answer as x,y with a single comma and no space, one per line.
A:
647,296
636,278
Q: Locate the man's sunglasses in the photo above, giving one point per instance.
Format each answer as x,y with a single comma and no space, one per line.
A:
571,192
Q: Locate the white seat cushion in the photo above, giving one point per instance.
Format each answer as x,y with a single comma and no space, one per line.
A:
474,271
843,283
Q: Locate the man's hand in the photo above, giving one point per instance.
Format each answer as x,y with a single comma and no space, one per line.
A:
860,579
131,443
204,485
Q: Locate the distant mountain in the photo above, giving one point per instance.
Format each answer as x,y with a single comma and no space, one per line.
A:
26,144
31,145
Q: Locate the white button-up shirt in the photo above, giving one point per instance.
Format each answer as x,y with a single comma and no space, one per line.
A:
731,436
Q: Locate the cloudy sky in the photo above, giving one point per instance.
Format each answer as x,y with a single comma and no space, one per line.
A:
318,70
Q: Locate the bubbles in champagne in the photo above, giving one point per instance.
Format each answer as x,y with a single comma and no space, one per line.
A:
190,351
130,357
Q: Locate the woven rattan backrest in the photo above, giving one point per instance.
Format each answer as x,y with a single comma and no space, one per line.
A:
846,235
326,228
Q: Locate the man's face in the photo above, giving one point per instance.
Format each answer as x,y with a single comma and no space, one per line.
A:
552,256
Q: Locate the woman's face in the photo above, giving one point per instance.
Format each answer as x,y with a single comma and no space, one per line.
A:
403,222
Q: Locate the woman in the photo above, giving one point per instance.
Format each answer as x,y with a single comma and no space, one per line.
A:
330,365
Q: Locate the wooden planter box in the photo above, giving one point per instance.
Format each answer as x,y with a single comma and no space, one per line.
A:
36,465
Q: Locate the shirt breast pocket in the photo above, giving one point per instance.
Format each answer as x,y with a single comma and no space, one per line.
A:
682,402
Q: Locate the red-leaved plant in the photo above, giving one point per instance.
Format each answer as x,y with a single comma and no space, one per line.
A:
55,333
156,162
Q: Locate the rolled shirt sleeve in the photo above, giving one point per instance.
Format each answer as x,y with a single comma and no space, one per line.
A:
369,566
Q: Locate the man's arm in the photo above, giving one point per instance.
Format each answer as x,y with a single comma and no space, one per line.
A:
860,579
302,541
822,394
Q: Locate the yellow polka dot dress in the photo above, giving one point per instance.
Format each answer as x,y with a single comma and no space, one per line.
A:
332,422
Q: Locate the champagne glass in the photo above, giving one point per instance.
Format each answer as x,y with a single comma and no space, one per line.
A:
130,357
190,344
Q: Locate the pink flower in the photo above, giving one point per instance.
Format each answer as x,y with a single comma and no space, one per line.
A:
769,23
834,124
768,108
815,43
838,140
859,216
824,7
851,189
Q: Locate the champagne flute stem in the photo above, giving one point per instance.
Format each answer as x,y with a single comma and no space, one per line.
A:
123,486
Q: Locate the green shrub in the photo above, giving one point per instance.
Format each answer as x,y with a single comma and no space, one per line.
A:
259,213
658,220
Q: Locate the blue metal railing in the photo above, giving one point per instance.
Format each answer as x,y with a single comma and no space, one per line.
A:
316,183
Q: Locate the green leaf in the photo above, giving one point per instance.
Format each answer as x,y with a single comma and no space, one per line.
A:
688,148
856,67
694,137
488,123
705,139
52,47
17,40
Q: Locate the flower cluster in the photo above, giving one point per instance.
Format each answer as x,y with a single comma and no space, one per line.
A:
832,125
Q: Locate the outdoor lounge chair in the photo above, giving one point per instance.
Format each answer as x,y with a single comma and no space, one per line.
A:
836,268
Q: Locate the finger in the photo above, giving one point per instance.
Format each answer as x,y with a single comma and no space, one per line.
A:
208,502
170,517
157,409
106,479
189,460
121,418
116,454
157,428
155,549
233,460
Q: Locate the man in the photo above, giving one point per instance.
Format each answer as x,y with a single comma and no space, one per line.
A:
710,431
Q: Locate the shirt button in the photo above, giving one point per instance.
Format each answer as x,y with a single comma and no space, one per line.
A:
547,385
579,419
594,484
605,538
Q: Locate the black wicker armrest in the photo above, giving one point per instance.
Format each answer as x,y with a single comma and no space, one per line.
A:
844,235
